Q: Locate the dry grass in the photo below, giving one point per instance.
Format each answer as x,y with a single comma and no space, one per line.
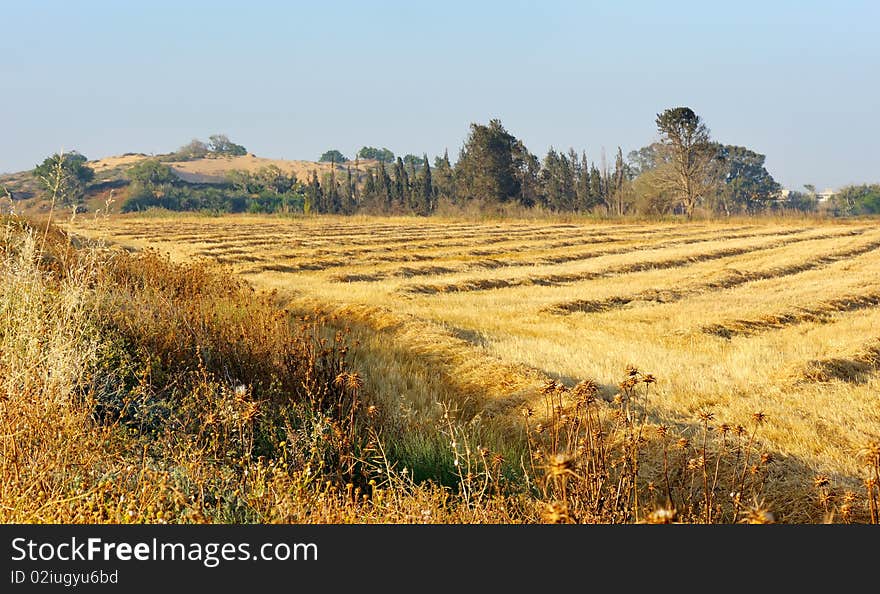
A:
479,334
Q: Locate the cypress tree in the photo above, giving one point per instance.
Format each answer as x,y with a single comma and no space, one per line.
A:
334,200
384,185
350,204
314,195
400,183
427,189
583,184
597,191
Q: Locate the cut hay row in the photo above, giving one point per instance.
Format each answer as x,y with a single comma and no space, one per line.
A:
855,369
821,313
536,241
350,235
395,254
566,278
730,280
567,256
433,239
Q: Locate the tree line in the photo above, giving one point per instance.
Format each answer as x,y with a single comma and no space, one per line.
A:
683,172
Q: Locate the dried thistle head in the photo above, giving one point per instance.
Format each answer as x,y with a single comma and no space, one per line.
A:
555,512
662,430
683,443
759,417
628,384
706,416
821,481
649,379
632,370
662,515
354,381
586,391
759,514
870,454
559,465
549,387
724,428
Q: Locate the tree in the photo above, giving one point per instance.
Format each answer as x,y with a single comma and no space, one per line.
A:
195,149
855,200
597,186
152,174
414,162
427,190
333,156
314,200
685,140
487,165
369,152
745,184
272,178
646,158
219,144
442,177
618,180
400,188
64,176
349,205
558,181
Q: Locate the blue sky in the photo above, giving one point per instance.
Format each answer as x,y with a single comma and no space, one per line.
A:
796,81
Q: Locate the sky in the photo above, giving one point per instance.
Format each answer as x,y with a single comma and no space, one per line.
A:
796,81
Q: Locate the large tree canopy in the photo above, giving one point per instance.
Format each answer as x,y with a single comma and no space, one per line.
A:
685,139
382,154
333,156
64,176
152,173
219,144
492,164
745,182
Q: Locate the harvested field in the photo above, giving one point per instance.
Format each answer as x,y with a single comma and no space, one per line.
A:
778,317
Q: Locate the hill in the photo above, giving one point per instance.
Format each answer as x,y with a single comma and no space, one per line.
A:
110,176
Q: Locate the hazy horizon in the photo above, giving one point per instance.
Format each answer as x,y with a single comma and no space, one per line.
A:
795,81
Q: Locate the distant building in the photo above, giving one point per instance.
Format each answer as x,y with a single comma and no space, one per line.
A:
823,196
826,195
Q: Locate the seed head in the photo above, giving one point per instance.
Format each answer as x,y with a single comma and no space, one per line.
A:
662,516
559,464
555,512
758,514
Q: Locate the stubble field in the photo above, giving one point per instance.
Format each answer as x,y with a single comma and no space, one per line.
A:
731,318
